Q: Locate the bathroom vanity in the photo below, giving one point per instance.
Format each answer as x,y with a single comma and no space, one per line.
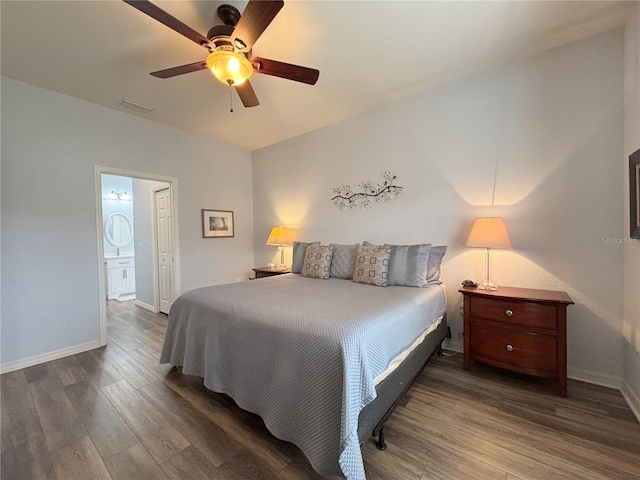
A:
121,275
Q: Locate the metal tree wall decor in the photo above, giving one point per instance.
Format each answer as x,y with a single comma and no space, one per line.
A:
346,199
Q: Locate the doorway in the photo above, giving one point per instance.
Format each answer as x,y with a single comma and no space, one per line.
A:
119,240
151,252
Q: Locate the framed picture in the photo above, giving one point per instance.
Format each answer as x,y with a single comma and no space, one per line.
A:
217,223
634,193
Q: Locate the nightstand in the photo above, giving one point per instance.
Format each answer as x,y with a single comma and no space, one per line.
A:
263,272
519,329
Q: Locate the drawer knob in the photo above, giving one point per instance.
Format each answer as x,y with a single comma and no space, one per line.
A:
509,313
509,348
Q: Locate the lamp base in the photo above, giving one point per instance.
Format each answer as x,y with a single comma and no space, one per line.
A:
488,284
282,266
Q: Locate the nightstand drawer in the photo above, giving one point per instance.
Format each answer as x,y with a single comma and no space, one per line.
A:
530,353
527,314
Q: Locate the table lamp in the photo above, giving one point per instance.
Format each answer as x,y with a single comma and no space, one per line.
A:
280,237
488,232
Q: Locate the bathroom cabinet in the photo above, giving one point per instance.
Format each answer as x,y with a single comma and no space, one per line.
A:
121,276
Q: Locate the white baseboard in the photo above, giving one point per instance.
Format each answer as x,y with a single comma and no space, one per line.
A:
47,357
631,398
146,306
595,378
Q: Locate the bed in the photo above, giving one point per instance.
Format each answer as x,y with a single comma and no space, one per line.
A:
308,356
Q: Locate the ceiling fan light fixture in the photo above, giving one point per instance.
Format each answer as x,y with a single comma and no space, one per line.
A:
229,67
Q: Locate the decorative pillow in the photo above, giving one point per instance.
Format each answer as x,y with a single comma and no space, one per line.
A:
408,265
317,261
436,255
372,265
298,255
343,261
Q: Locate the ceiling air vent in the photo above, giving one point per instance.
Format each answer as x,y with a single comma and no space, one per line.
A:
135,105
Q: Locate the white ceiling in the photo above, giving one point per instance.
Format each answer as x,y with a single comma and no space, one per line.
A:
368,53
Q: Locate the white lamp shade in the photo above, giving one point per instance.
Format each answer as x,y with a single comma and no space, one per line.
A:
280,236
489,232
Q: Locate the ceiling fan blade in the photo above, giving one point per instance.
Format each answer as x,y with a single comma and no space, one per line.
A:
173,23
181,70
285,70
247,95
254,20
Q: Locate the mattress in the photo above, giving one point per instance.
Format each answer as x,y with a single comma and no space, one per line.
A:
302,353
395,363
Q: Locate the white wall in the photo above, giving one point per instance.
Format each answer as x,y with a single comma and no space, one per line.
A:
631,327
550,126
50,144
143,228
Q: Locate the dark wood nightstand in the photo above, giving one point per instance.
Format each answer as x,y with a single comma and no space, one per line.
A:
519,329
262,272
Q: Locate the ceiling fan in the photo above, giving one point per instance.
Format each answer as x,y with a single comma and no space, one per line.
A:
230,46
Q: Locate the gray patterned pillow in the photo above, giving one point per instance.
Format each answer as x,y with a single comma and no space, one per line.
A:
343,261
317,261
372,264
435,261
408,265
436,254
298,255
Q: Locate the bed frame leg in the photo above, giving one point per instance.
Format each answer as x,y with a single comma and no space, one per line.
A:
439,350
380,443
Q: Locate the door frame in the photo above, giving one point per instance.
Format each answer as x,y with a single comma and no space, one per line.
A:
102,289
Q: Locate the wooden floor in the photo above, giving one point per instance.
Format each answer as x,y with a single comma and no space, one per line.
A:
115,413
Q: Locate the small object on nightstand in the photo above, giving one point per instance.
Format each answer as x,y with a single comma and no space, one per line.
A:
519,329
469,283
262,272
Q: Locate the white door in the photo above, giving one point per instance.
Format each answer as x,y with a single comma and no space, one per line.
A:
165,249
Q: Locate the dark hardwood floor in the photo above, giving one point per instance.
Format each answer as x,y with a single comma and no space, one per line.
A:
115,413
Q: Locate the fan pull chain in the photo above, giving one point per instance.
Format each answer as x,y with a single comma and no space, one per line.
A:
231,100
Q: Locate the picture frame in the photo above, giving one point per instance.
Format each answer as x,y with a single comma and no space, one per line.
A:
217,224
634,194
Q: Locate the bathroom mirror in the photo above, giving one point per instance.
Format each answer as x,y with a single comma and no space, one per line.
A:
118,229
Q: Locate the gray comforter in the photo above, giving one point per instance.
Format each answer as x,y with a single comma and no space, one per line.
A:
300,352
